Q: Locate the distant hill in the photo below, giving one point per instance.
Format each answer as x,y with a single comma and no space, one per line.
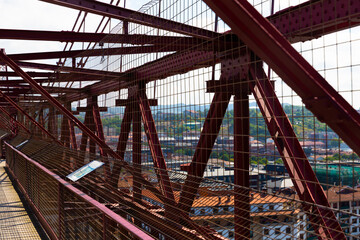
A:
180,107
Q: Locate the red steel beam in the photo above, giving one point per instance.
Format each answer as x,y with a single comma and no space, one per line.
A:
242,210
79,124
269,44
13,119
96,52
28,116
136,152
203,150
155,147
307,185
65,36
115,12
121,146
53,77
67,69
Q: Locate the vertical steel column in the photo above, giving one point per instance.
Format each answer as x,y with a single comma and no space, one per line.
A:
28,116
18,122
98,124
121,147
52,122
203,150
71,129
154,144
41,120
65,134
84,137
241,166
136,151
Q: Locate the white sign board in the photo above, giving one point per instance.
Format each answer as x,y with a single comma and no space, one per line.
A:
84,170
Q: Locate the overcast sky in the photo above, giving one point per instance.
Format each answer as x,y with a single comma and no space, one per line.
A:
38,15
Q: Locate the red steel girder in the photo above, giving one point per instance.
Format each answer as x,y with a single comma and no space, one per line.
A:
294,158
268,43
184,62
28,116
54,77
42,66
203,150
136,152
121,146
65,36
315,18
115,12
13,119
155,148
242,209
95,52
79,124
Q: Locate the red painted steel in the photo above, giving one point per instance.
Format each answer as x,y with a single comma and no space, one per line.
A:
176,64
203,150
98,124
31,119
42,66
97,205
96,52
155,147
121,146
294,158
314,19
78,123
115,12
53,77
241,166
13,119
136,154
268,43
66,36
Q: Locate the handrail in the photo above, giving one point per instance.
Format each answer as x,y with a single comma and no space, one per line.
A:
135,231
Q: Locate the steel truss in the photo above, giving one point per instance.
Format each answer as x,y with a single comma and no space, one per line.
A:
262,39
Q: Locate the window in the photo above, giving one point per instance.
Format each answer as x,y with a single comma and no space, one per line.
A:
354,220
266,231
277,231
271,207
301,236
288,230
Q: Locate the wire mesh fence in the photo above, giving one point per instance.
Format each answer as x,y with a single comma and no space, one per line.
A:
211,142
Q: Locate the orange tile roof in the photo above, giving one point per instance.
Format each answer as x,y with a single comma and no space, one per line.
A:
211,201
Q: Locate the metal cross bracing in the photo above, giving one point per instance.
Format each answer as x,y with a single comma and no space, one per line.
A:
160,198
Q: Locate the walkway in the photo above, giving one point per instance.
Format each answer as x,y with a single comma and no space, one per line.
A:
15,222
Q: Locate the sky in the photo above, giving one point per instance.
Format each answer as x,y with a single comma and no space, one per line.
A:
38,15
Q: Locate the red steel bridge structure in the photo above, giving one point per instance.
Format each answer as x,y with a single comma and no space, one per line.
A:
41,124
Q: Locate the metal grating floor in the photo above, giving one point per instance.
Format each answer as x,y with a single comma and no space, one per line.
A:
15,222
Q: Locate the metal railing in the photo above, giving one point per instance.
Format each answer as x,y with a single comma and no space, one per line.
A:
64,211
